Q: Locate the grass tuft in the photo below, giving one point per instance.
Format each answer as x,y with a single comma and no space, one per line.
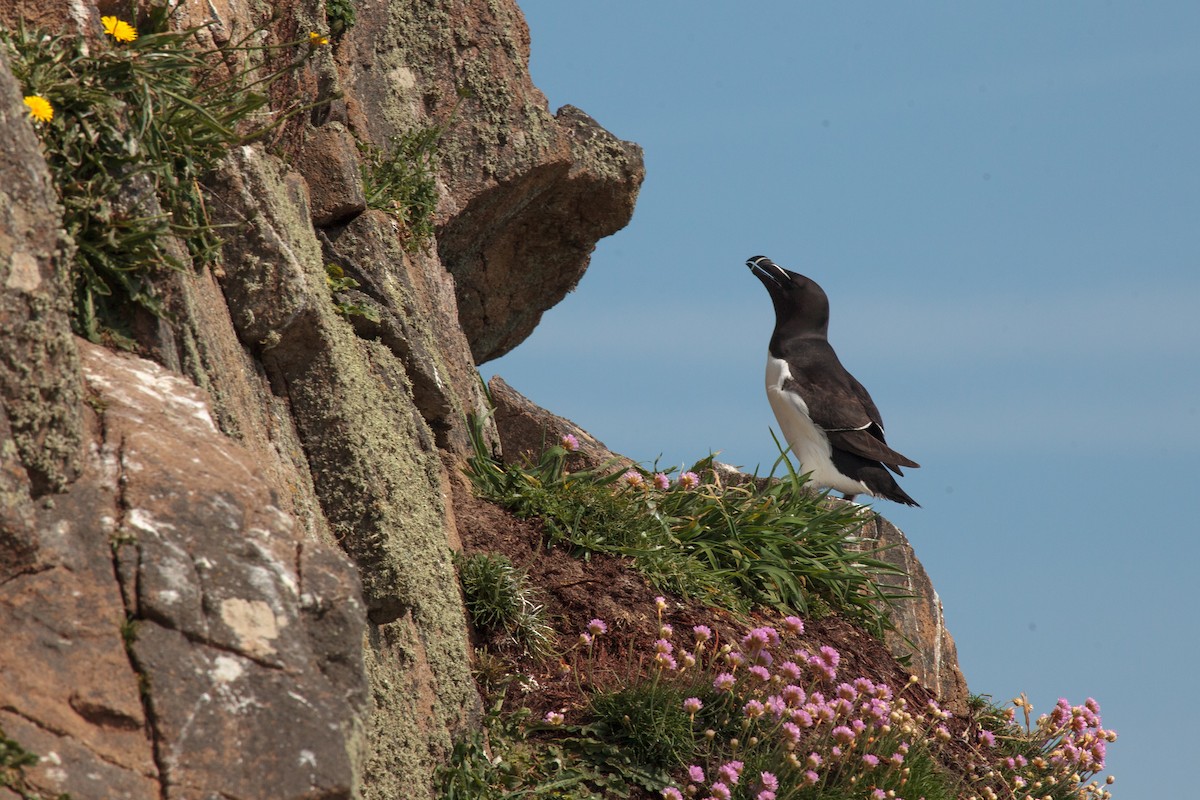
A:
734,546
500,601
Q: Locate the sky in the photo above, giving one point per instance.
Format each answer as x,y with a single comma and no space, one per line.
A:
1002,201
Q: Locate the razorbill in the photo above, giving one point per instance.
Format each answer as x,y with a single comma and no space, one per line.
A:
828,419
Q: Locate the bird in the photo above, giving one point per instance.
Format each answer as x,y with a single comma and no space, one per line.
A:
827,417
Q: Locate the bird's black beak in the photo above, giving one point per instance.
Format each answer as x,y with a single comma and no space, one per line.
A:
767,271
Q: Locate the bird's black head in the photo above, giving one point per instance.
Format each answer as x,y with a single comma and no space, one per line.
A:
800,304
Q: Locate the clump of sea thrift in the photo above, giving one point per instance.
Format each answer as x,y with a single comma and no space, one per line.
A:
1071,750
769,722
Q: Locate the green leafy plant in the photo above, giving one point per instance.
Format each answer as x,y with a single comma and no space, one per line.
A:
13,760
129,127
403,181
500,601
338,281
340,15
772,543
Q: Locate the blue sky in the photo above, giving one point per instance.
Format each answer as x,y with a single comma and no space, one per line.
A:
1002,201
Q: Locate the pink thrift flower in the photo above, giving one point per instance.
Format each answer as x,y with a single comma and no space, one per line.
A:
814,760
764,636
666,661
731,771
660,604
761,673
811,777
724,682
633,478
569,443
720,791
666,631
870,759
843,735
791,732
794,625
597,627
877,710
661,481
663,646
754,709
1062,712
689,480
671,793
769,781
695,774
702,633
790,670
554,717
585,638
688,659
765,794
692,705
802,716
987,738
830,656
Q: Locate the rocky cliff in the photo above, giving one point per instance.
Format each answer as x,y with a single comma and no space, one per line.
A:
225,558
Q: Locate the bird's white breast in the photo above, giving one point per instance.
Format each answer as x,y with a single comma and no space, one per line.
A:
809,443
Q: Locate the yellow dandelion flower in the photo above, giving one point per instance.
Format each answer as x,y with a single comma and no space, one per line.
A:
317,40
119,29
40,108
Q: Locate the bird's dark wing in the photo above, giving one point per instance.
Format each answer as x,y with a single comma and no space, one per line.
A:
865,444
838,404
